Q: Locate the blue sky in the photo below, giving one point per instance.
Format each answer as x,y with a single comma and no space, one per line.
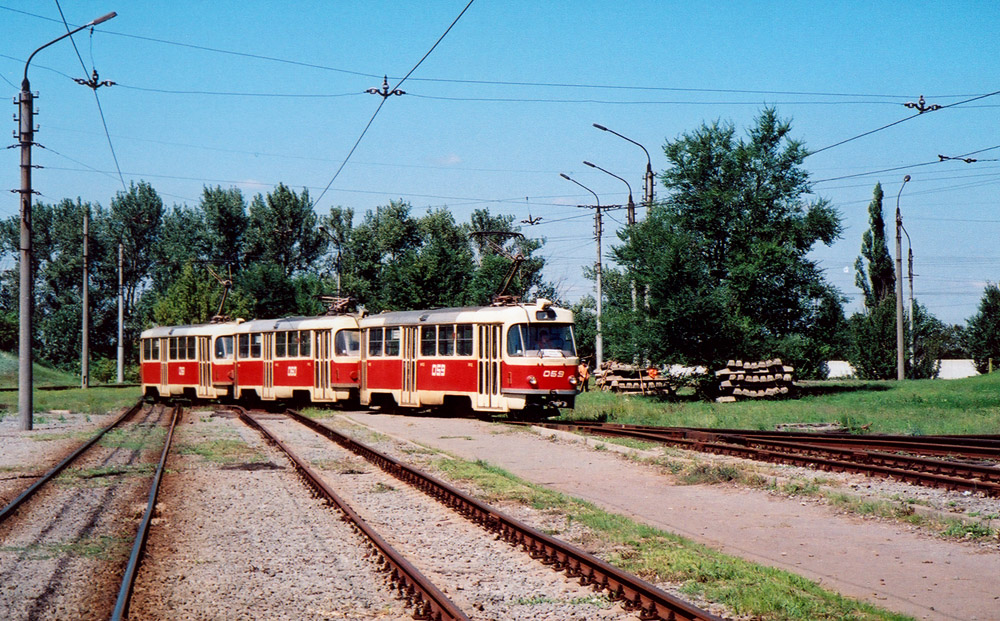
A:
507,101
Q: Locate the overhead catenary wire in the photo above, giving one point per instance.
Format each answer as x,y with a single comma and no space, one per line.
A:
93,87
385,97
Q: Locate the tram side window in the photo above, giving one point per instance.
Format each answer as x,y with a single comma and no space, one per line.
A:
190,347
347,343
250,345
392,338
375,341
428,340
446,340
224,348
463,340
305,343
280,338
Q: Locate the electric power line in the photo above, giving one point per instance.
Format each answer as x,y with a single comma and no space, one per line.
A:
395,90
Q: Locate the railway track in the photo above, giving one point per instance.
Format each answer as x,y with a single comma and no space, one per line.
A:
64,538
643,599
961,463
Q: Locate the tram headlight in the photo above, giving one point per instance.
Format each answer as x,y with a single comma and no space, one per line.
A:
572,380
532,380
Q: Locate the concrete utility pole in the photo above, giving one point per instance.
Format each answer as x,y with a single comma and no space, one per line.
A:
85,354
900,345
26,137
121,313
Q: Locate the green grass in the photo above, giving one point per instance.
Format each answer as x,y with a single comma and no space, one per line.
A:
744,587
919,407
41,375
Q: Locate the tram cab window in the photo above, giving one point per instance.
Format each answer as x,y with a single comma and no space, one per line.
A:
428,340
541,340
347,343
392,338
224,348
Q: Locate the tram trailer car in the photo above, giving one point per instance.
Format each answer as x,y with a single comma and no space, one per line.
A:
193,361
516,358
307,359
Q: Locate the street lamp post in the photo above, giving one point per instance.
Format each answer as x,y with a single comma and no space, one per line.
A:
647,194
26,135
900,346
631,203
598,225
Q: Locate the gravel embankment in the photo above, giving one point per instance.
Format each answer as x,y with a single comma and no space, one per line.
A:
238,536
63,552
487,578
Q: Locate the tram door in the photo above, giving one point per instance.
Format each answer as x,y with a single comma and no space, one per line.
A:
322,366
488,396
409,394
205,367
164,347
267,390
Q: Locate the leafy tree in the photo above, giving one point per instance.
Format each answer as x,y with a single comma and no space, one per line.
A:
983,330
183,240
282,231
226,223
928,340
874,330
494,266
878,281
194,297
873,353
725,256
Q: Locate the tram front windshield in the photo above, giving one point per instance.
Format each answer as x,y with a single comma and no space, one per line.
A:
541,340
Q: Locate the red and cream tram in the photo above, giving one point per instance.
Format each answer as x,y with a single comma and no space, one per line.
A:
514,358
192,361
311,359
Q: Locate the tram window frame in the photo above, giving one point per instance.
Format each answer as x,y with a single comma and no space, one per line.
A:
155,349
446,340
280,338
191,351
428,341
393,338
464,339
339,343
305,343
146,349
172,351
376,338
226,352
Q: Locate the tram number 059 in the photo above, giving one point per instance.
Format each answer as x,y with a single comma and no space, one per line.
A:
437,370
560,373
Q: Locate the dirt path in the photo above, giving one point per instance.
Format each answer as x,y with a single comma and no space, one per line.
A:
887,564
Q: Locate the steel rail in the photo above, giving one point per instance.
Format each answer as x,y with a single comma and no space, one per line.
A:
970,446
428,601
139,547
922,471
48,476
632,592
